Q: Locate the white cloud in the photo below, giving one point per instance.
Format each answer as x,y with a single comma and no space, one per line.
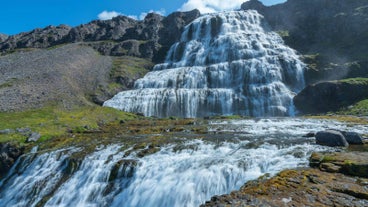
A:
144,14
105,15
210,6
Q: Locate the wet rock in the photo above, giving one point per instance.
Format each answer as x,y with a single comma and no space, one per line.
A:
8,155
33,137
310,134
353,137
123,169
331,138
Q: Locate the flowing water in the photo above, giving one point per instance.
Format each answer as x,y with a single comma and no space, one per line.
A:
185,173
225,63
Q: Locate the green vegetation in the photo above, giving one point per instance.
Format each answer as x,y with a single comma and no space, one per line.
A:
360,81
283,33
358,109
131,67
52,122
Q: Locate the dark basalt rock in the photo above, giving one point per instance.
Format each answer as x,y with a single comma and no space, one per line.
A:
330,96
8,155
331,138
353,138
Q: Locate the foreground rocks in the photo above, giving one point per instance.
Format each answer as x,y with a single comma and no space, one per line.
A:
330,183
331,138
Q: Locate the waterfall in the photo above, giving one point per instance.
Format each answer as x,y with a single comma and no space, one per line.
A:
225,63
183,173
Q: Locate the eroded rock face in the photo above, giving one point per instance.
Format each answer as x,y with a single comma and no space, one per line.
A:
150,38
330,96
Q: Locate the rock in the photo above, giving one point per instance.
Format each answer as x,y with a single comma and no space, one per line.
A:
331,138
310,134
348,163
330,167
34,137
6,131
301,187
150,38
3,37
8,155
353,138
331,95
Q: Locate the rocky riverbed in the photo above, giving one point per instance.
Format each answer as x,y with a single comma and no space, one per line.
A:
333,179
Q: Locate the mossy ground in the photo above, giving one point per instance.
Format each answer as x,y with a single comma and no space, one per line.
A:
52,122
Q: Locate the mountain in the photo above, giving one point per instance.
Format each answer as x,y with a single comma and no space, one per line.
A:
119,36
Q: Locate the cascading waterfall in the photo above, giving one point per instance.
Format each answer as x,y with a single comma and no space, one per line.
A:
180,174
225,63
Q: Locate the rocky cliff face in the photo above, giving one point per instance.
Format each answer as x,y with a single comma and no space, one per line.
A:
331,95
119,36
334,31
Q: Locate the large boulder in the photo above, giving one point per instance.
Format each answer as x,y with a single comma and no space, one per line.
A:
331,95
331,138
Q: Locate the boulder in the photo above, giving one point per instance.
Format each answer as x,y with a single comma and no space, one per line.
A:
34,137
353,138
331,138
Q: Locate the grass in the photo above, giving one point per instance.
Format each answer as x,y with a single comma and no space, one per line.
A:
342,118
127,66
53,121
360,81
358,109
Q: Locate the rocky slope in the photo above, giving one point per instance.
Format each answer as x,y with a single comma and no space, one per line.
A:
89,63
119,36
333,32
65,76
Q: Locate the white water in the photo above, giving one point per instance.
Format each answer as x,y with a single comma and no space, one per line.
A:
181,174
225,63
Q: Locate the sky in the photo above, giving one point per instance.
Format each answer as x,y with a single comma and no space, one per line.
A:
24,15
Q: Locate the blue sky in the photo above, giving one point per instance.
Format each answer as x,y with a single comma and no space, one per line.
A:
24,15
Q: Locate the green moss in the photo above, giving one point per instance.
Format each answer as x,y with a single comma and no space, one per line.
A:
360,81
283,33
52,121
358,109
